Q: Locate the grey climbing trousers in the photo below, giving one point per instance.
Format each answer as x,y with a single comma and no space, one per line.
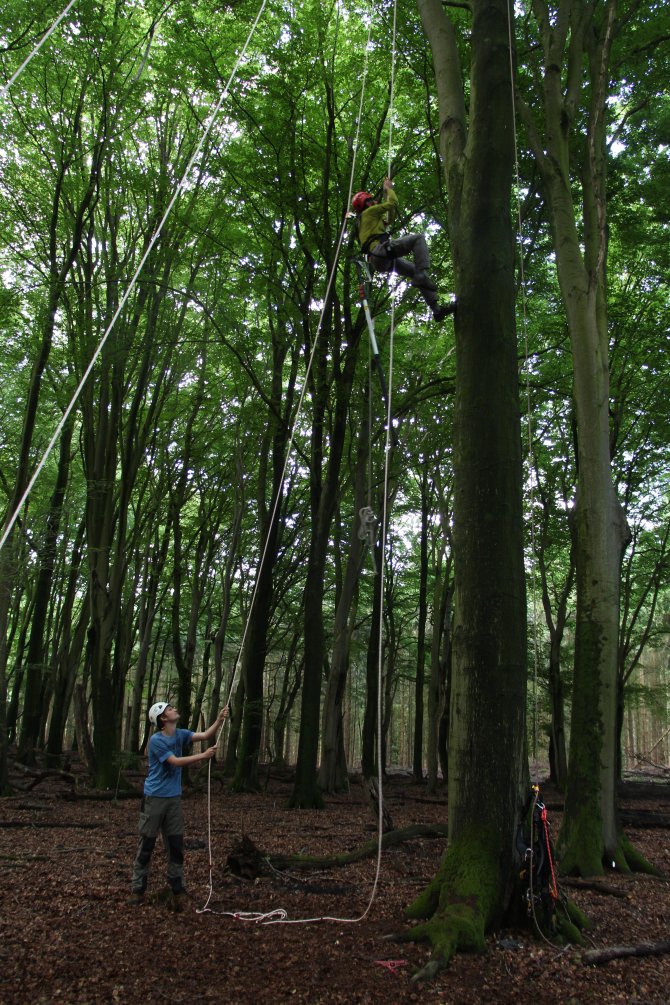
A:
388,257
164,815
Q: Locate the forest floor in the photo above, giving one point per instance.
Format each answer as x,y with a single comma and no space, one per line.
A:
69,935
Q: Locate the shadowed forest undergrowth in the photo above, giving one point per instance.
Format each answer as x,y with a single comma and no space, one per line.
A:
69,935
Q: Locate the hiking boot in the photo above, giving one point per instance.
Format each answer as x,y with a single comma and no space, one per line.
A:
136,898
442,311
179,901
422,279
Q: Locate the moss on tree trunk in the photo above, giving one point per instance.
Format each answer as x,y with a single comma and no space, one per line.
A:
487,770
462,900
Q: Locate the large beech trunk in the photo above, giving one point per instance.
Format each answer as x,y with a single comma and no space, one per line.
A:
573,67
474,885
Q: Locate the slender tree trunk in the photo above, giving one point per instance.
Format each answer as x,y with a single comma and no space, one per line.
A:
233,539
555,621
16,678
558,760
237,711
68,662
59,269
154,566
291,684
255,649
68,655
369,752
417,765
272,458
35,658
84,745
306,792
437,693
332,772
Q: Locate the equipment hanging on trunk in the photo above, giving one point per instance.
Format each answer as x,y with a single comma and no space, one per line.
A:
538,872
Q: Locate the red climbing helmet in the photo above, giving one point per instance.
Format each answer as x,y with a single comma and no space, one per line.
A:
359,200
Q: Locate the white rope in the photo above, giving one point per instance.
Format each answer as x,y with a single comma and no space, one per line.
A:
279,915
133,281
24,64
528,408
388,446
303,391
392,95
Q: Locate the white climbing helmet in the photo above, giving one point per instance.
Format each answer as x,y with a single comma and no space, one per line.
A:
157,709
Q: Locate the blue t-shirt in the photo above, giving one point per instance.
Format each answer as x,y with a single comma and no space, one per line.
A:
164,780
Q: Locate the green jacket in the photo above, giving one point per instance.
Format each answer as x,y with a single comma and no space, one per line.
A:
373,222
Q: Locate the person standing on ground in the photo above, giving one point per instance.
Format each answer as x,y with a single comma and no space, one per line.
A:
161,808
385,254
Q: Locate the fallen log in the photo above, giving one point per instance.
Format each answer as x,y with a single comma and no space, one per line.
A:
49,826
246,860
617,952
38,775
644,820
102,795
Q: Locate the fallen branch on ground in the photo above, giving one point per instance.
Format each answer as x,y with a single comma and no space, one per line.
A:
38,775
245,859
101,796
617,952
49,826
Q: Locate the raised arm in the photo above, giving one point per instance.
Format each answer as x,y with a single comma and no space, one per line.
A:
212,730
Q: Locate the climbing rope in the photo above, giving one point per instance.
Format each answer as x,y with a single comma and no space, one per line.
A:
392,94
27,60
542,835
529,416
298,412
131,286
245,916
367,517
279,915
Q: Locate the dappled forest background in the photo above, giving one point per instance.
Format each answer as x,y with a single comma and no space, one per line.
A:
131,573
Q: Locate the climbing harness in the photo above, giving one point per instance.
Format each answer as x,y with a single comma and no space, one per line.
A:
375,239
27,60
538,872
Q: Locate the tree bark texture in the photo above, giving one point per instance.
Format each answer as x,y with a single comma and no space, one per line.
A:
332,770
417,756
35,657
473,887
575,53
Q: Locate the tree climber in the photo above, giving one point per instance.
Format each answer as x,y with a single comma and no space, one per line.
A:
161,805
384,254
